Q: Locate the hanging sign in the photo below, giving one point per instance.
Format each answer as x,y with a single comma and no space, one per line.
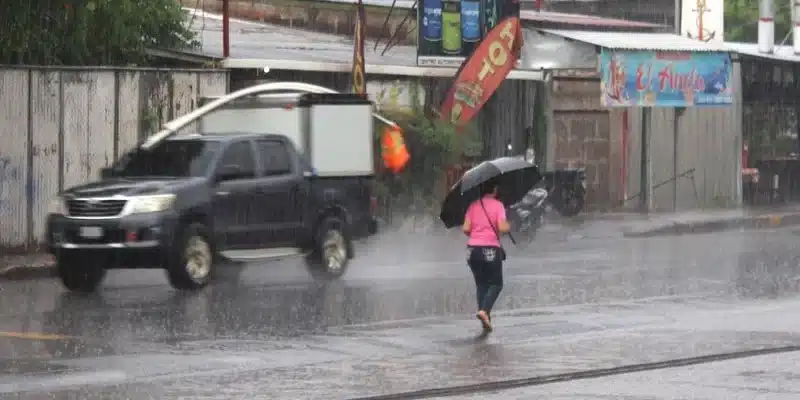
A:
665,79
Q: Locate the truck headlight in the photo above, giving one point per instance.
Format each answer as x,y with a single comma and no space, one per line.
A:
57,206
150,204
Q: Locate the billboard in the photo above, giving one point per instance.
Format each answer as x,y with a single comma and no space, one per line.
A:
665,79
450,30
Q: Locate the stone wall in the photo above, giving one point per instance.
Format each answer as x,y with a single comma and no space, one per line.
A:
583,135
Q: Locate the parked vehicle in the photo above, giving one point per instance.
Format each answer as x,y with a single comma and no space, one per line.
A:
566,190
263,176
527,215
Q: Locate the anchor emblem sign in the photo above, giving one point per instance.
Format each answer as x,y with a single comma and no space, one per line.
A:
704,34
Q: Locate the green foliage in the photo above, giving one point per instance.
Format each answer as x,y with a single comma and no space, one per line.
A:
741,20
90,32
434,146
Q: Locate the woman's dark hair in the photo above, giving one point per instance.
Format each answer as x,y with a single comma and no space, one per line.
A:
488,187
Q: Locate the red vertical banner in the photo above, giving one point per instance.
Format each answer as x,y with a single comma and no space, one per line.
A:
482,73
359,70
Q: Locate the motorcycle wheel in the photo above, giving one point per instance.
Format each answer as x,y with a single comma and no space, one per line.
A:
572,201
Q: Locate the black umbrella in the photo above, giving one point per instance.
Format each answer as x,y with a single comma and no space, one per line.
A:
513,175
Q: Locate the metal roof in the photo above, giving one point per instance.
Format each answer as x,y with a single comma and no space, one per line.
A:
406,4
401,4
582,20
638,41
525,15
257,40
781,53
259,45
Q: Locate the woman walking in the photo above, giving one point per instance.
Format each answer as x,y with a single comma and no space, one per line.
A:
484,222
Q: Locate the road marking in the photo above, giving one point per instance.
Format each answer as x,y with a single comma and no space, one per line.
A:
35,336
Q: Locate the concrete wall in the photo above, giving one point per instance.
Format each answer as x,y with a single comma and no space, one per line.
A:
58,127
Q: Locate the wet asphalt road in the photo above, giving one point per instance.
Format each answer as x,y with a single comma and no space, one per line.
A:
402,320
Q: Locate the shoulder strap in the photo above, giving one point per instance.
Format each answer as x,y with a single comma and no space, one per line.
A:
494,228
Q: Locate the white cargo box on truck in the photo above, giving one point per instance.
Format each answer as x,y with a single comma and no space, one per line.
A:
333,131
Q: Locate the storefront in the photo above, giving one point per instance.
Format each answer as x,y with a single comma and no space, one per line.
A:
656,122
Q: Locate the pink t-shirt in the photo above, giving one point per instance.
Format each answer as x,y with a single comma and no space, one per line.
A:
482,233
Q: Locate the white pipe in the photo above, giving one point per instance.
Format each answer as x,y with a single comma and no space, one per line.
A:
172,126
766,26
796,26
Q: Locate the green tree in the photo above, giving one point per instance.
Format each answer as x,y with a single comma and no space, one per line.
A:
741,20
90,32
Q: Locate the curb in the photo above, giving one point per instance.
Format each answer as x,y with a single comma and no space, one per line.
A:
719,225
28,272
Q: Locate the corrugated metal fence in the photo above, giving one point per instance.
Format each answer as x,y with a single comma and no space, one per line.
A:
707,141
58,127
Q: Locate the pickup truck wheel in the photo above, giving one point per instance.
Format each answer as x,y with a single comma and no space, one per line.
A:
330,256
79,274
191,263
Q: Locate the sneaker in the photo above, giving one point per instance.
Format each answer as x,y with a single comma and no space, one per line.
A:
485,320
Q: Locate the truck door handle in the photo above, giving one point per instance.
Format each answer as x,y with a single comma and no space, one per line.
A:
223,193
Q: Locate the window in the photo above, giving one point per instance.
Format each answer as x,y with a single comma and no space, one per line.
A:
178,158
275,158
239,154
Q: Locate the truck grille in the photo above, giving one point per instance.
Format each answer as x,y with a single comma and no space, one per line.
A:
95,208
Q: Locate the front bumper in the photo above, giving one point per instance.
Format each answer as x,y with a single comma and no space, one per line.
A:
141,240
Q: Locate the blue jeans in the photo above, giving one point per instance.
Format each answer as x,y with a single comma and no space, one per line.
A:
487,269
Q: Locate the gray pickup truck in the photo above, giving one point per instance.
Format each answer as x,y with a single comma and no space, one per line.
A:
182,201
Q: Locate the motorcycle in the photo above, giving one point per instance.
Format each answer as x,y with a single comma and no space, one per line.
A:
527,215
566,190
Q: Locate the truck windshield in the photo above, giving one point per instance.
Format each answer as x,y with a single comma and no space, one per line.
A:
178,158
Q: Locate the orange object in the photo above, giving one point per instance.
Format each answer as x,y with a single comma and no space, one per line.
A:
483,72
394,152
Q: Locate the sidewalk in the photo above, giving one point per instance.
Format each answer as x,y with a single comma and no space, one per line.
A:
636,225
26,266
712,221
